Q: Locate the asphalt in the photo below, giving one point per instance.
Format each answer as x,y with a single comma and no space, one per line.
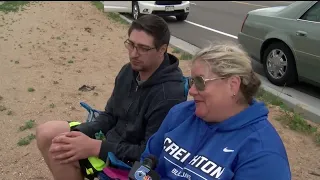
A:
222,21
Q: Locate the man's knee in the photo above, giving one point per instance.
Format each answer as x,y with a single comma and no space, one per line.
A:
47,131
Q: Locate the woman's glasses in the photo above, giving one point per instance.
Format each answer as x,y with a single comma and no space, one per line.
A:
200,82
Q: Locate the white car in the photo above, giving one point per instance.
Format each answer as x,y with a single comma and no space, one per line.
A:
179,9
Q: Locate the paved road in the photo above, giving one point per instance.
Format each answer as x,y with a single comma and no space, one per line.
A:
222,20
221,17
225,16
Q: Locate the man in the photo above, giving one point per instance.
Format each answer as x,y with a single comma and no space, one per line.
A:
145,90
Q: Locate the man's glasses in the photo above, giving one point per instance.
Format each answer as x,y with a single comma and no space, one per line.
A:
140,48
200,82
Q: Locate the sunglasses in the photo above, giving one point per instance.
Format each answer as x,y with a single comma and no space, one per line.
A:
200,82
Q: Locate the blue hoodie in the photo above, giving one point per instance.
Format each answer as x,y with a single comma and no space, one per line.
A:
243,147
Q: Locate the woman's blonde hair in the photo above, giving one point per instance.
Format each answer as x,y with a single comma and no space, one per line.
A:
227,59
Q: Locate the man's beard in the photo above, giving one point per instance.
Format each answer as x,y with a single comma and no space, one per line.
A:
137,67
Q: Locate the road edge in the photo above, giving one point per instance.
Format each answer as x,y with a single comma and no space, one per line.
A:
309,113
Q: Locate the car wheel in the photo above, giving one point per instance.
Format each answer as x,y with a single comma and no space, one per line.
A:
182,17
136,11
279,64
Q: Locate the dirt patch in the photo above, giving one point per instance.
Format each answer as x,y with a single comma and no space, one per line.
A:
49,51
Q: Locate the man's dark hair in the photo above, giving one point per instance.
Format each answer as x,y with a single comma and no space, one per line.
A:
153,25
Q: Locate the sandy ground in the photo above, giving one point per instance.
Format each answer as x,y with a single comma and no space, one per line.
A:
57,47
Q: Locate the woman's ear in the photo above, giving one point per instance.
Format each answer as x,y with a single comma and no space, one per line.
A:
234,85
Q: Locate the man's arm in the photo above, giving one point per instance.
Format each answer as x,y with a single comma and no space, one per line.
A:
264,166
133,151
105,121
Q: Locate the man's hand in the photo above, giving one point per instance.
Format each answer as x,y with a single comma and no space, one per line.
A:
73,146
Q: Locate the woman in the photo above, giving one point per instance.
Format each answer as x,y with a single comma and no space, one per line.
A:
224,133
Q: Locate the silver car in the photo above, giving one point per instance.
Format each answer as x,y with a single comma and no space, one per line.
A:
286,40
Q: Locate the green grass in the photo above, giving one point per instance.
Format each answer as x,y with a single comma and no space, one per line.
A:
27,125
9,113
12,6
116,17
296,122
269,98
98,5
176,50
26,140
185,56
289,117
111,15
2,108
31,89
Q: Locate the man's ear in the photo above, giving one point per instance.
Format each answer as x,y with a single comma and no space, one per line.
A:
163,49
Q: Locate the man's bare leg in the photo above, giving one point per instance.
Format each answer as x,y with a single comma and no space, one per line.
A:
44,135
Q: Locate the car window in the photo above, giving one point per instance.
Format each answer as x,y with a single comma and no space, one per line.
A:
313,14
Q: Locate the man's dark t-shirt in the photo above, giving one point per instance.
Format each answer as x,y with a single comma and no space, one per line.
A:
135,111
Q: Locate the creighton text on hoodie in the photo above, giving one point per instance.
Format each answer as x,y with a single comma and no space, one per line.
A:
243,147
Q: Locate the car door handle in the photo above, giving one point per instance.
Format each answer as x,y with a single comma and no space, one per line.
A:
301,33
